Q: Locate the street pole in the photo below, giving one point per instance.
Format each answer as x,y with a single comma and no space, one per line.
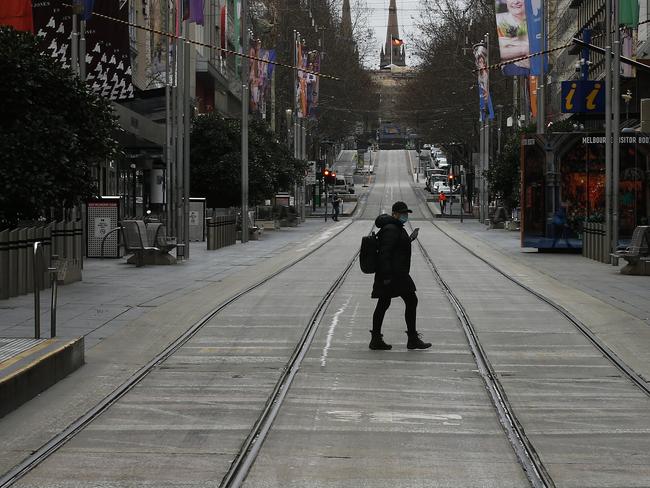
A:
616,125
244,124
608,125
82,52
180,81
541,79
187,65
168,133
74,39
486,136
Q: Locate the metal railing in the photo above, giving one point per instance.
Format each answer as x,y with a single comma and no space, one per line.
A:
38,273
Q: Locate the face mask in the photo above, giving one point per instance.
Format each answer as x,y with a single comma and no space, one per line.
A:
403,218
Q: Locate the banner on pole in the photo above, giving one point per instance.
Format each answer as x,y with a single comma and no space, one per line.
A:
485,100
519,29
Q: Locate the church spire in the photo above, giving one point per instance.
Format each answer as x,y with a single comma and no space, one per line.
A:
346,21
394,52
392,31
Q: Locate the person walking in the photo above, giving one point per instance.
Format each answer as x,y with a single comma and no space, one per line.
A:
392,278
336,203
442,198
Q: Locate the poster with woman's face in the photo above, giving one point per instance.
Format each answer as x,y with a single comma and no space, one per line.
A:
512,30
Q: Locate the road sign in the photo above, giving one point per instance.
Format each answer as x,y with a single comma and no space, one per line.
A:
310,177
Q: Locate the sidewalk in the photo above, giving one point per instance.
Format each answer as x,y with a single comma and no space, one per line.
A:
627,293
114,293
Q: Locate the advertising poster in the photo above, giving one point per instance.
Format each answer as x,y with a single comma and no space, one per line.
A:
519,28
313,64
260,74
485,101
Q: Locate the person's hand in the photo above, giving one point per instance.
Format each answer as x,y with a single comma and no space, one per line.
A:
387,282
414,234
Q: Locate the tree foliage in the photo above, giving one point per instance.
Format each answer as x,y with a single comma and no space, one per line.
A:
504,173
216,162
52,130
442,100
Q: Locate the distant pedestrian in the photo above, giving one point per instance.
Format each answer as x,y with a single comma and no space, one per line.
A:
560,226
336,203
392,278
442,198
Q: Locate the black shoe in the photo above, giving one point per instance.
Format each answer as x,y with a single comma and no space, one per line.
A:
415,342
377,342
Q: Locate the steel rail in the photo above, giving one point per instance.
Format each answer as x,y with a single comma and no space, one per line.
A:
621,365
242,464
251,446
526,454
60,439
57,441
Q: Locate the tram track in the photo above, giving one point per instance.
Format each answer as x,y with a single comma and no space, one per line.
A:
613,358
73,429
525,451
528,458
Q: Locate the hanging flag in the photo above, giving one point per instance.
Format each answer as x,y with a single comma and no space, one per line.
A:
534,19
196,11
396,41
89,5
629,13
185,5
223,25
17,14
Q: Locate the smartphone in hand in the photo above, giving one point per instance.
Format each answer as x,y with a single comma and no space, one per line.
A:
414,234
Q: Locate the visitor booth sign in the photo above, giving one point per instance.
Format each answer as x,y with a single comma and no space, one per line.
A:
583,96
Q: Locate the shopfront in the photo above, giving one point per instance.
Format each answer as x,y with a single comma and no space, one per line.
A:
563,185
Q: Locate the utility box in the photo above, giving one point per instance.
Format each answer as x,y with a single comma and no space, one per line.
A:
197,219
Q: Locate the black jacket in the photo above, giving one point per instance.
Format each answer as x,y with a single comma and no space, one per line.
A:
394,260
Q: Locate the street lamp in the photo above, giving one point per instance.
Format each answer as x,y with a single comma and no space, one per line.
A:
627,98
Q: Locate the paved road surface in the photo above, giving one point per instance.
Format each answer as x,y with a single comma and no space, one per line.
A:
355,417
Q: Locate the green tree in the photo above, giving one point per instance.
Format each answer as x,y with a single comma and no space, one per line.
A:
52,130
504,173
216,162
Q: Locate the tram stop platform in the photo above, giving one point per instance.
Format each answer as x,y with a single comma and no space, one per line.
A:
29,366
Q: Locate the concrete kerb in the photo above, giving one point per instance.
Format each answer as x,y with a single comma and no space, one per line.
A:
625,334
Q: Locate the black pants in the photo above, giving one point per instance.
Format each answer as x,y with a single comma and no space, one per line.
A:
336,213
411,302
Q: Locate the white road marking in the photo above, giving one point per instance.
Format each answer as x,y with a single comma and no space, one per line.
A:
330,332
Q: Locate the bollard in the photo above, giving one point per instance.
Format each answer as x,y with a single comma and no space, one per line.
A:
55,288
23,258
4,264
13,263
37,255
29,271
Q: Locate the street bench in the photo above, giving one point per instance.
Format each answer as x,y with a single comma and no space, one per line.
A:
148,243
637,253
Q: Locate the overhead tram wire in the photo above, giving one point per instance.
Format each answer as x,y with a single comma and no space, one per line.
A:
210,46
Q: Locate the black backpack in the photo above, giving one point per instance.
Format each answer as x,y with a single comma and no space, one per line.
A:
369,252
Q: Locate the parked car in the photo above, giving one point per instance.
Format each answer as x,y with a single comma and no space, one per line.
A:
439,186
